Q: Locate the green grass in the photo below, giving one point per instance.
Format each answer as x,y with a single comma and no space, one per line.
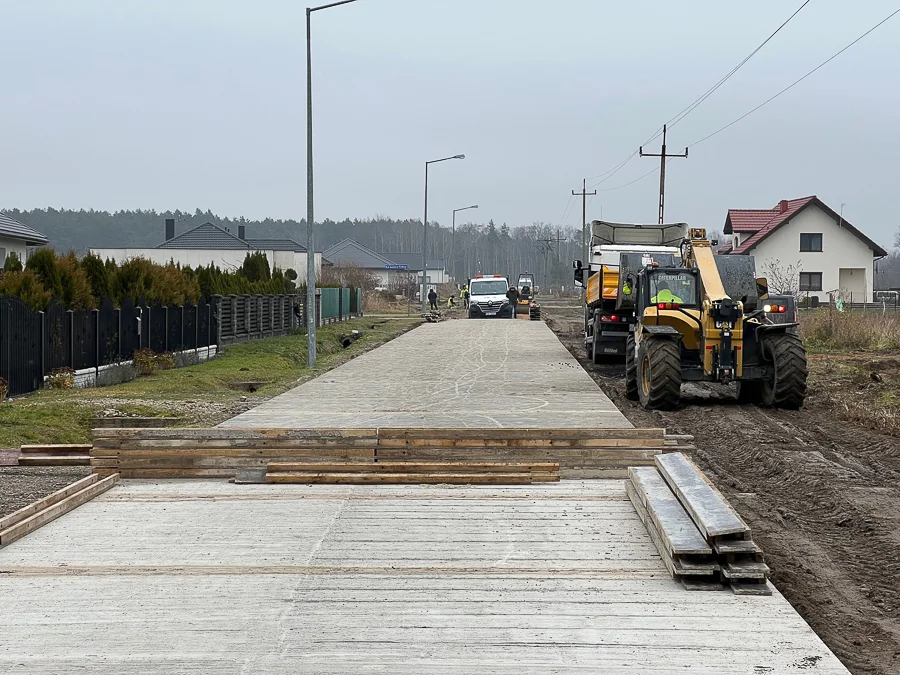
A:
200,394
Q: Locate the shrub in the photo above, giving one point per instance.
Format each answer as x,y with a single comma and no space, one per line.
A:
27,287
4,389
164,361
62,378
145,361
43,263
76,288
13,263
97,275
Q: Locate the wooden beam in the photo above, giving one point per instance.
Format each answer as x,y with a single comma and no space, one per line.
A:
414,467
54,511
678,531
54,460
62,449
711,513
49,500
303,477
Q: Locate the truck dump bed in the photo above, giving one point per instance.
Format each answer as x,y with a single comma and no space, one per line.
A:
666,234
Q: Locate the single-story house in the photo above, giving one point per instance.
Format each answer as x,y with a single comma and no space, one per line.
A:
211,244
16,237
393,270
804,246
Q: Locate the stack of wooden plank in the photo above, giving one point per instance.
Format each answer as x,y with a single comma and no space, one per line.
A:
17,525
701,539
463,473
69,454
204,453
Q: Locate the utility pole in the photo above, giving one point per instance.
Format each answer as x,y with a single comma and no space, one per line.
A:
662,172
584,238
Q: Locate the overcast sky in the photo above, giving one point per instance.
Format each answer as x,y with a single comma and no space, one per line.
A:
201,103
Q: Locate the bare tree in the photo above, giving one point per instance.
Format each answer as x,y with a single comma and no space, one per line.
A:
350,274
783,279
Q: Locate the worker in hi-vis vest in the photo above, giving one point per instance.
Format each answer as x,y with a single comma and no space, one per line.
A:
663,294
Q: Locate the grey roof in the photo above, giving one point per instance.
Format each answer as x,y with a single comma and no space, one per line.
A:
414,261
207,236
276,245
12,228
352,251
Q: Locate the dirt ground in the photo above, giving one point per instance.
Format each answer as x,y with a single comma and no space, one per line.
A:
820,492
22,485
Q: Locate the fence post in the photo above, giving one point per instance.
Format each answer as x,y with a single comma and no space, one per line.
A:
95,318
43,345
71,321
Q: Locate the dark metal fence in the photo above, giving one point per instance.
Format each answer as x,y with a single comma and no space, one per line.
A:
34,344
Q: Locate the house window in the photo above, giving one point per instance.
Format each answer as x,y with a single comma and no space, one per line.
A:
810,281
811,243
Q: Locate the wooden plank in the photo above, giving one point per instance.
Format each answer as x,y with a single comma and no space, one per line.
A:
751,588
239,443
303,477
648,443
696,565
44,516
416,467
701,584
212,462
712,515
172,473
134,422
105,462
677,530
301,454
232,433
736,546
61,448
49,500
524,434
54,460
745,570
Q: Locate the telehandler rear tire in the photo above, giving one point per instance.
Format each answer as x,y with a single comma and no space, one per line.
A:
659,373
631,377
788,387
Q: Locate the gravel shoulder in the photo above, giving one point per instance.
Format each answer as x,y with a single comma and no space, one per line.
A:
820,491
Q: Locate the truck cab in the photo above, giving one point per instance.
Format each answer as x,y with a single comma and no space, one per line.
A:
487,297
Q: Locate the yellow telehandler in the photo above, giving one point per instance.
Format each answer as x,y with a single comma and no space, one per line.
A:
706,321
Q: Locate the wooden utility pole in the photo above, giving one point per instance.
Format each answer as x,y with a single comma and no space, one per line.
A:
586,256
662,172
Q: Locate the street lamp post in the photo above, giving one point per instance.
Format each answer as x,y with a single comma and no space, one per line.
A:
425,233
453,237
310,249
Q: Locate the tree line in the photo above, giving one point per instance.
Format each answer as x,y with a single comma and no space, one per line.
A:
541,248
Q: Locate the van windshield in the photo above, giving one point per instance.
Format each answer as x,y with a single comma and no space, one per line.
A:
492,287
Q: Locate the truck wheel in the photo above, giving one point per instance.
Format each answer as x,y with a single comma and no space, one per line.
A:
631,378
595,349
787,389
659,373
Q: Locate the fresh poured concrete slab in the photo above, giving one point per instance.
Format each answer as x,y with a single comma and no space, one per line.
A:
210,577
453,374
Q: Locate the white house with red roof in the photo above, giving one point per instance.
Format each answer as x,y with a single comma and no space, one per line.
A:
804,245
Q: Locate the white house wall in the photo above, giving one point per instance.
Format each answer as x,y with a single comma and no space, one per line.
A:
226,260
841,249
8,246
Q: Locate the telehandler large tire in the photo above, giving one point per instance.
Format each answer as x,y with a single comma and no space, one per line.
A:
787,389
631,377
659,373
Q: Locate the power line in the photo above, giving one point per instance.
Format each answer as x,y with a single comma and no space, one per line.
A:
796,82
606,175
693,106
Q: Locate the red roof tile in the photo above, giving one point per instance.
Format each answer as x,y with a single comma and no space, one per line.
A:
761,222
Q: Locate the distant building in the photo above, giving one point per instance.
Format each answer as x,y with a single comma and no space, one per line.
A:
210,244
393,270
829,255
16,237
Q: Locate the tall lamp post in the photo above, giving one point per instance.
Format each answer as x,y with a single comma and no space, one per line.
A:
425,233
310,249
453,237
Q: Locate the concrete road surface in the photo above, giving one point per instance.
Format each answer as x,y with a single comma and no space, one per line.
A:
459,373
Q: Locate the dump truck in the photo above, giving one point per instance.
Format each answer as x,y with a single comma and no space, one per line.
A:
606,325
706,320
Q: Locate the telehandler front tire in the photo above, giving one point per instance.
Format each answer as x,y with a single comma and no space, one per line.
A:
787,389
631,377
659,373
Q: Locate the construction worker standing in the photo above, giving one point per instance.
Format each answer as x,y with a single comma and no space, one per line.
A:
432,299
513,296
